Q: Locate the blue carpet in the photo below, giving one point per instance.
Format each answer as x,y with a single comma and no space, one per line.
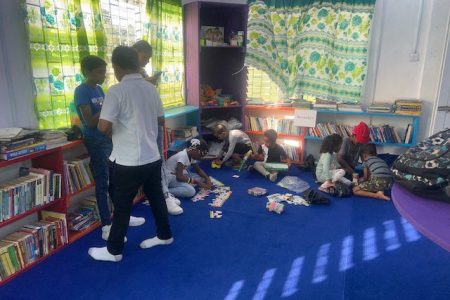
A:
353,249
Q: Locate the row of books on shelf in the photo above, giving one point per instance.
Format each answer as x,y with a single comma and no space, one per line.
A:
86,215
32,242
78,174
282,126
291,152
380,134
36,187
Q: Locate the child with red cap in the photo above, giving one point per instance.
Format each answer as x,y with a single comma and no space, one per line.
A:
349,153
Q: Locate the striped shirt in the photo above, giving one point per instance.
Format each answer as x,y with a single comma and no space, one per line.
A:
377,167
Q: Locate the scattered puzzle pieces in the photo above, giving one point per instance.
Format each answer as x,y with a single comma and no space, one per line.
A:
201,195
257,191
215,214
215,182
220,199
288,198
275,207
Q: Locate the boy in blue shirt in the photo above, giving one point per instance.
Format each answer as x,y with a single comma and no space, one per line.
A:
88,100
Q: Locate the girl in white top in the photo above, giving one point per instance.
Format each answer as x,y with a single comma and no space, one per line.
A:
179,181
237,143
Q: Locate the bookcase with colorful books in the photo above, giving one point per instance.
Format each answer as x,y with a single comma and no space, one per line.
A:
386,129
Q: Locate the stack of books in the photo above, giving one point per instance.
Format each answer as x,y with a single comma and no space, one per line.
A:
53,138
349,107
282,126
32,242
78,174
408,107
292,152
37,188
301,104
325,104
380,108
86,215
16,142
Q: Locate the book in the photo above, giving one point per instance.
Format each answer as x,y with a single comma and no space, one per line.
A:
11,154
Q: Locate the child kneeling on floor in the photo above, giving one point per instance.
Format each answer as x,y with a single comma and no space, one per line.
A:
328,170
179,182
269,152
377,175
237,143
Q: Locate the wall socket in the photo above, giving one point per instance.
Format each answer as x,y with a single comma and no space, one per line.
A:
414,56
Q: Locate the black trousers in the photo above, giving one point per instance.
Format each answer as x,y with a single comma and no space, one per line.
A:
126,182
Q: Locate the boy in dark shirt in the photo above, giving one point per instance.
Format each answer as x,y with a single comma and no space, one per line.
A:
377,175
269,152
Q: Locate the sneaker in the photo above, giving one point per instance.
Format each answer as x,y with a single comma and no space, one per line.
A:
135,221
173,208
105,233
273,177
171,197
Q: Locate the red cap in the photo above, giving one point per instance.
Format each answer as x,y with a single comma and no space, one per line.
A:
362,133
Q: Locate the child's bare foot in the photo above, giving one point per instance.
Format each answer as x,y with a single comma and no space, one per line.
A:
381,195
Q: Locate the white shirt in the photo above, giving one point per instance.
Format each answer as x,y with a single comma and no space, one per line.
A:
133,107
181,157
236,136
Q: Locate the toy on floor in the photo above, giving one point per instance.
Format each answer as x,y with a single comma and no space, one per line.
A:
215,182
220,199
288,198
201,195
215,214
257,191
275,207
244,161
214,165
294,184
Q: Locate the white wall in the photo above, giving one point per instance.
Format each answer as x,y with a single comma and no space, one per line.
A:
391,73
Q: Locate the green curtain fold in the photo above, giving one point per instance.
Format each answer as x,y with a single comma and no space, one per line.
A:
165,34
311,47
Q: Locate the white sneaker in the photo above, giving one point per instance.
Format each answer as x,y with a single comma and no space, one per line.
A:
135,221
105,233
155,241
171,197
173,208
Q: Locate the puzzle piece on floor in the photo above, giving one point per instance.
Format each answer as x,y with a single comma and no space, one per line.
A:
215,182
215,166
215,214
221,190
235,176
288,198
257,191
220,199
201,195
276,207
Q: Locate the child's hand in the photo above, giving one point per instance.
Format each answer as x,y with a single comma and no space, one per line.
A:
205,186
218,162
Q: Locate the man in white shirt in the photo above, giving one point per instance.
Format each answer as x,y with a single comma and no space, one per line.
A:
131,113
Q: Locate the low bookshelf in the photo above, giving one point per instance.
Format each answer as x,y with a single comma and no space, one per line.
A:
389,129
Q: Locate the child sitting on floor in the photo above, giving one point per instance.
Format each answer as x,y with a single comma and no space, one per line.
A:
237,143
328,170
269,152
348,156
179,181
377,175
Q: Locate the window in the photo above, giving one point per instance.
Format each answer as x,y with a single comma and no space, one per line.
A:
63,31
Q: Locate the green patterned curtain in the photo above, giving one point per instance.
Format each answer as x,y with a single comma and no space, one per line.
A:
311,47
165,34
61,32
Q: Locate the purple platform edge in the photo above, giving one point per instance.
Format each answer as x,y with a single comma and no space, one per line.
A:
429,217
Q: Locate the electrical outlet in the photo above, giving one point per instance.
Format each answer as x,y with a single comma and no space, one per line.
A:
414,57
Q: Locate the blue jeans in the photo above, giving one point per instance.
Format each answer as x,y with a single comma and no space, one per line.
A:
99,149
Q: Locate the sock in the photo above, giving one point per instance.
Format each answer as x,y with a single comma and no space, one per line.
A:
136,221
155,241
104,255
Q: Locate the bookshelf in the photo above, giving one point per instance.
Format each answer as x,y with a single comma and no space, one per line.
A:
220,67
51,159
333,116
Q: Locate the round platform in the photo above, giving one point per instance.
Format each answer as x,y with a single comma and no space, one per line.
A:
430,217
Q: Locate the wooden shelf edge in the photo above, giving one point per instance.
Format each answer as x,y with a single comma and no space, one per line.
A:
280,135
11,277
29,212
76,235
86,188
